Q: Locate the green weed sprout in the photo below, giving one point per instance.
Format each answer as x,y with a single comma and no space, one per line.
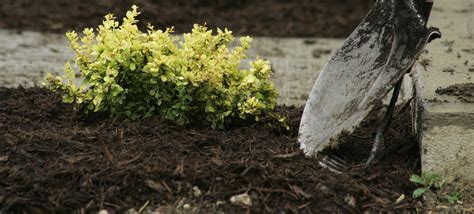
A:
454,197
426,180
433,181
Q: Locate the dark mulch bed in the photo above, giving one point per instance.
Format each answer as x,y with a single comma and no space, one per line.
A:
328,18
52,158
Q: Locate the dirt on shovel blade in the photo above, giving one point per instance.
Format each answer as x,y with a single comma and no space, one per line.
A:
55,159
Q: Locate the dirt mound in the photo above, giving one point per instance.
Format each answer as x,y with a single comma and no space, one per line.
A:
52,158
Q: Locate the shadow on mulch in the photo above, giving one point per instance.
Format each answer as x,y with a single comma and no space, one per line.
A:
52,158
301,18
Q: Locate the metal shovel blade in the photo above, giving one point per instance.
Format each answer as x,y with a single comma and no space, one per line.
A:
374,57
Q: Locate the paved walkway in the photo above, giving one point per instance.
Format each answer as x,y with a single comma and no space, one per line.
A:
26,57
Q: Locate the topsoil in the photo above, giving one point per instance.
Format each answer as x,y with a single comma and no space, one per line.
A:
55,159
301,18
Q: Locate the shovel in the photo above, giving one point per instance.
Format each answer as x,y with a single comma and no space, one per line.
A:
370,63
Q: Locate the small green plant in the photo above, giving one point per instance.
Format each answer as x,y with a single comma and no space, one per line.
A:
433,181
427,180
125,71
454,197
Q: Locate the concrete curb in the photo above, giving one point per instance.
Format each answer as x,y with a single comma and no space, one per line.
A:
445,124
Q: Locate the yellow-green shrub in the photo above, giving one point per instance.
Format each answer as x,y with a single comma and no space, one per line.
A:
125,71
